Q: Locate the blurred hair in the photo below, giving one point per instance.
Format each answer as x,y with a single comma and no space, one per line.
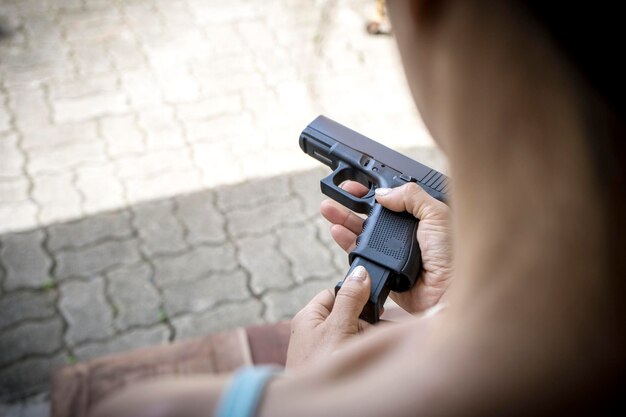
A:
591,35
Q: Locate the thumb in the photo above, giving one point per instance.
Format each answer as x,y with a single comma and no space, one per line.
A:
351,299
410,197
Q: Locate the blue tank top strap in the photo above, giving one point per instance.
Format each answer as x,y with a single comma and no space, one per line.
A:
244,393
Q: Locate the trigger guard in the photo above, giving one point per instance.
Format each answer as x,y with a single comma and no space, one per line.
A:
330,187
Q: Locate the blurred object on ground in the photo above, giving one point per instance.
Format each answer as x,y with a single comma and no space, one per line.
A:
380,25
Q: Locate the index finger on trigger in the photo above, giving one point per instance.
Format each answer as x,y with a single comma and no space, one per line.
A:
354,188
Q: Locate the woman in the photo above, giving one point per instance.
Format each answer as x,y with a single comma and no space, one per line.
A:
534,323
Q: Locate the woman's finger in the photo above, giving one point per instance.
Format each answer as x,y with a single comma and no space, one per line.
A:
338,214
324,299
346,239
350,300
354,188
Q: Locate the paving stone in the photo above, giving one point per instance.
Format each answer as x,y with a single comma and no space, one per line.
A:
252,193
11,159
148,164
276,66
77,234
14,190
93,260
38,338
145,21
62,158
176,84
5,118
22,305
133,339
267,266
223,38
265,217
268,114
158,228
100,188
204,294
239,146
28,376
41,27
82,27
202,221
24,58
222,127
86,311
231,83
339,256
278,162
218,319
163,185
85,108
217,163
126,55
71,5
57,197
255,32
122,135
233,11
308,256
84,86
296,100
173,49
283,305
178,14
161,129
29,108
142,88
199,262
307,186
92,60
30,407
16,217
135,299
259,101
52,136
209,108
25,262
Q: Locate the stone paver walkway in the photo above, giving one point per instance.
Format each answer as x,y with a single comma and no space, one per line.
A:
151,184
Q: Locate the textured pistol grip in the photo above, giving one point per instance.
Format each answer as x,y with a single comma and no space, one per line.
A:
389,239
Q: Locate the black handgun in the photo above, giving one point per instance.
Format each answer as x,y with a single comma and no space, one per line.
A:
387,247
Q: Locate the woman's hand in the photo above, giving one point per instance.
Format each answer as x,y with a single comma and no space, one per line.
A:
328,320
433,236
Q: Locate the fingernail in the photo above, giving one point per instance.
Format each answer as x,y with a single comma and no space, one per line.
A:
358,274
382,191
